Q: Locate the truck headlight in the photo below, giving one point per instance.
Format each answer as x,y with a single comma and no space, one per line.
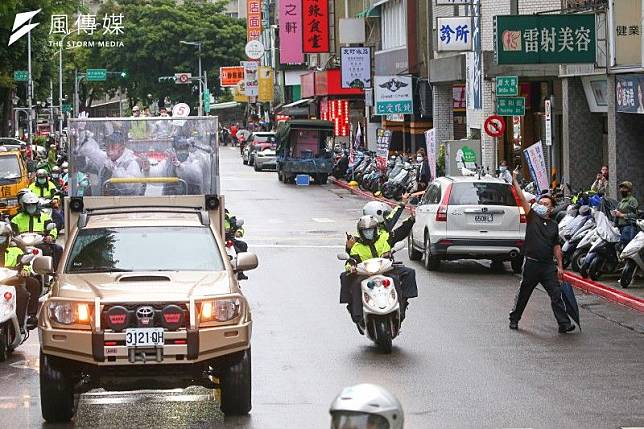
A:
219,310
69,313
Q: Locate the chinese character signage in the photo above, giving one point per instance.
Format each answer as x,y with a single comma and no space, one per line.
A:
251,80
253,20
290,22
383,141
87,24
265,84
510,106
239,93
507,86
393,95
474,82
315,20
545,39
629,90
454,33
336,111
537,165
627,32
356,67
230,76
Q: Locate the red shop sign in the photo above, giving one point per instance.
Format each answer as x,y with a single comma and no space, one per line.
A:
315,18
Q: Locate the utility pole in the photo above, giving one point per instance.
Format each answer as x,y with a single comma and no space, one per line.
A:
30,88
198,44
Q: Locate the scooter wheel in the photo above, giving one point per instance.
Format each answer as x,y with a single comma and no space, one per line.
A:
594,270
627,274
4,343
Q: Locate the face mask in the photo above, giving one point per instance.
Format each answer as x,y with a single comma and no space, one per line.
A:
182,156
369,234
419,158
503,168
540,210
624,194
42,180
31,209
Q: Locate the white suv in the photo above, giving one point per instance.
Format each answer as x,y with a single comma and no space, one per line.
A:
468,218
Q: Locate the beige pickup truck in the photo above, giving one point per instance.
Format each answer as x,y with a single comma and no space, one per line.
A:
145,295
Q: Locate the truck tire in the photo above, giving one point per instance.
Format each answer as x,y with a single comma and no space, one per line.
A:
321,179
56,391
236,387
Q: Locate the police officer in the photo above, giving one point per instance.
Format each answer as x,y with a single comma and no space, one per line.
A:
27,288
541,248
32,219
42,187
366,406
373,243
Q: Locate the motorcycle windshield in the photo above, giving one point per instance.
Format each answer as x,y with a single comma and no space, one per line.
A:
144,156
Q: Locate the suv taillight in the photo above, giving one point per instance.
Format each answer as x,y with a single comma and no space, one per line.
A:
522,217
441,214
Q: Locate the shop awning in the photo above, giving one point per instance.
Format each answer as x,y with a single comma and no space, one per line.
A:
221,106
372,11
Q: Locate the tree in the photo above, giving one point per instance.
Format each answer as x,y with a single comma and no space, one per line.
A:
152,31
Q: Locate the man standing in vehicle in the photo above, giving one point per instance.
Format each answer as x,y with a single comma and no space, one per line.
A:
541,248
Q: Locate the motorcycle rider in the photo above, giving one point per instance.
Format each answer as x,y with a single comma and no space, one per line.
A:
234,233
42,187
27,288
366,406
626,213
374,242
32,219
57,176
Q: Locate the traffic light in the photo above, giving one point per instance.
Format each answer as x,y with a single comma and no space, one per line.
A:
167,79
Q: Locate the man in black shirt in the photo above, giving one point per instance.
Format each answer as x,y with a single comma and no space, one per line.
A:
541,248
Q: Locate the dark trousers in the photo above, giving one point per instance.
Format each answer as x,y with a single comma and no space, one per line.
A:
27,293
546,274
627,232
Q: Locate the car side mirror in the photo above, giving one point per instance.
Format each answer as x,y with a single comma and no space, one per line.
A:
43,265
246,261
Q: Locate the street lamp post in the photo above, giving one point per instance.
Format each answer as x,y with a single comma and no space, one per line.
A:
198,44
29,87
60,84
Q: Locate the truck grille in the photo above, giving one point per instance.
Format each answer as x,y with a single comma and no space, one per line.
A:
118,317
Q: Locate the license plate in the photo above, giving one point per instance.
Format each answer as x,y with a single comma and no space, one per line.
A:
144,337
484,218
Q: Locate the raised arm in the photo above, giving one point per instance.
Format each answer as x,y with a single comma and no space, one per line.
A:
524,203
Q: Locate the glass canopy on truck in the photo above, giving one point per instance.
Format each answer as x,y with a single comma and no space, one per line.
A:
143,156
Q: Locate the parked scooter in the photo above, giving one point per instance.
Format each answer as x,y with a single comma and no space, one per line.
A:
12,332
633,257
584,239
602,257
380,305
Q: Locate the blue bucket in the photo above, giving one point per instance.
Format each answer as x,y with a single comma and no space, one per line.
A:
302,180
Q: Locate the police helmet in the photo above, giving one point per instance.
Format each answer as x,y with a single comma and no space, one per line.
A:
376,209
368,228
41,172
366,406
29,203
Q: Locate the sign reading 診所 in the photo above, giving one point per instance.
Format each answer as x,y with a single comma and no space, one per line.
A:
393,94
545,39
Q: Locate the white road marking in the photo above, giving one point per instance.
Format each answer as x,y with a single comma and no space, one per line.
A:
323,220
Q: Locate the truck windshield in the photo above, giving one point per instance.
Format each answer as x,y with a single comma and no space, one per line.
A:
9,167
149,248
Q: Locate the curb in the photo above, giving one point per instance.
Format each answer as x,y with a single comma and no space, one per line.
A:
367,195
606,292
588,286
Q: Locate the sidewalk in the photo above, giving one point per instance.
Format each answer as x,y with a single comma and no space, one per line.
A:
633,297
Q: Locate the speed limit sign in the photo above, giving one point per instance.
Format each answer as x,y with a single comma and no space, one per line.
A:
181,110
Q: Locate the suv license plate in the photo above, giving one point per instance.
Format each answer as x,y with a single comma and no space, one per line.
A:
144,337
484,218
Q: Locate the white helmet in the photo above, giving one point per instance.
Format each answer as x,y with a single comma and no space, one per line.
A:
29,203
376,209
366,406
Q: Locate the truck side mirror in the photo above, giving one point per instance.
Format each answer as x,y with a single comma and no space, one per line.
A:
43,265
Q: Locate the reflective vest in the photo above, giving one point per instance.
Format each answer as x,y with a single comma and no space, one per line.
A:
46,191
361,251
12,256
23,222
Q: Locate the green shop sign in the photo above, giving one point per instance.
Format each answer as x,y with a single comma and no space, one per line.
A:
545,39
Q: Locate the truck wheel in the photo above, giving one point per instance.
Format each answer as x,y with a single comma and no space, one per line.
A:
56,391
414,255
517,264
236,387
321,179
627,274
4,342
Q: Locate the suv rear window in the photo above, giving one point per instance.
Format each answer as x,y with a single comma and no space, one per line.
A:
481,193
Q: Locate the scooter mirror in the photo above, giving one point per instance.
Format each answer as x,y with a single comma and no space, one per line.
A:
343,256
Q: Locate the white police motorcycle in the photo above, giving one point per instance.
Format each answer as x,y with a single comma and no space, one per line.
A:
380,305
